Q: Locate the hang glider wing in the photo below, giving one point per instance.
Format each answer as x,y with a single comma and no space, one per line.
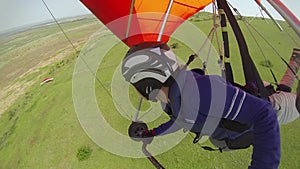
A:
136,21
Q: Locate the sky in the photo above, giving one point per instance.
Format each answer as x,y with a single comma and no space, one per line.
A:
15,13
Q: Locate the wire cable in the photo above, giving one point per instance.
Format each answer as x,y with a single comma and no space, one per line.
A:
82,59
266,41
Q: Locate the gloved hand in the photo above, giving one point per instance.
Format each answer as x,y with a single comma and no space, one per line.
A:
147,136
148,133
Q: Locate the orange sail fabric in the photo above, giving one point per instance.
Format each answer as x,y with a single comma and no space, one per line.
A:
136,21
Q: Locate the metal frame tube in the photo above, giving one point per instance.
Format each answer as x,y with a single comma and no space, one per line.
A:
268,13
165,21
288,16
129,19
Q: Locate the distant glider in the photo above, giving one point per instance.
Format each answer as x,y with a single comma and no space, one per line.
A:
46,80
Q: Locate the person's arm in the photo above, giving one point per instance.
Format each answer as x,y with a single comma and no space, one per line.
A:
261,115
166,128
266,143
266,136
298,97
248,109
163,129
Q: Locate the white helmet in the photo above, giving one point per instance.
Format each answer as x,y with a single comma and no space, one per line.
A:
150,66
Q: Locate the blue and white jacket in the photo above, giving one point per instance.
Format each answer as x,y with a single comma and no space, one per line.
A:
199,102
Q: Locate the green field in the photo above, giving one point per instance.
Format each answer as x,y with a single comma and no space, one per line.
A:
39,127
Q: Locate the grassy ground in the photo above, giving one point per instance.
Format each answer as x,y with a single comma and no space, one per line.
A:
40,128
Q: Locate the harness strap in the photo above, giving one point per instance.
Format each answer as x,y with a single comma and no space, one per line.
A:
250,72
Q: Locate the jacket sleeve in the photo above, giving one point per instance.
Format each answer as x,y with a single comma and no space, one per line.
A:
266,136
166,128
169,126
266,143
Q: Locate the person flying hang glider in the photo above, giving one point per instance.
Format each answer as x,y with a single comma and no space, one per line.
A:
285,103
203,104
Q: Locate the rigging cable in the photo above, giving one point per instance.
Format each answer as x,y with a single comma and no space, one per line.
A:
82,59
211,37
144,150
266,41
256,42
220,50
293,39
62,30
